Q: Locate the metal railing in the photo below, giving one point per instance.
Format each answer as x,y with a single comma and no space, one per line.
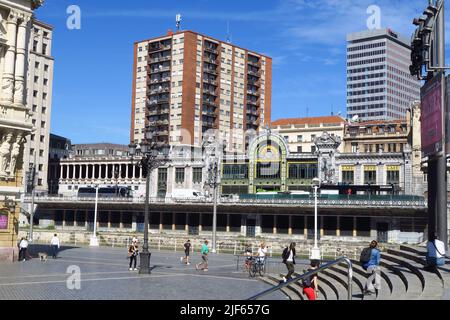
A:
377,202
309,274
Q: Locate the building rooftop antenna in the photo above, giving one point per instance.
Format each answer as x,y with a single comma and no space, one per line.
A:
178,20
228,32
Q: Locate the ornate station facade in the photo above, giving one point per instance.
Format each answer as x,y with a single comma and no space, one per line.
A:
15,116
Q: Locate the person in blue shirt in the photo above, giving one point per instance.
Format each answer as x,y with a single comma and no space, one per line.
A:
373,269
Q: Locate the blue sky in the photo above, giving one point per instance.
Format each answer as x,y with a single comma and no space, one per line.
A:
305,38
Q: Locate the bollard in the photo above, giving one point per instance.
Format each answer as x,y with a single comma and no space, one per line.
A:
175,245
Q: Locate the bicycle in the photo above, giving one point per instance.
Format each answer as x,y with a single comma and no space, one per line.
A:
257,265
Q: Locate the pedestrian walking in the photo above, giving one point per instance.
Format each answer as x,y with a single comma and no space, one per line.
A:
23,247
54,244
132,255
187,249
435,253
289,261
373,269
204,252
311,284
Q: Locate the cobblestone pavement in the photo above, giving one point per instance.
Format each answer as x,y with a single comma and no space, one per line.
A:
105,276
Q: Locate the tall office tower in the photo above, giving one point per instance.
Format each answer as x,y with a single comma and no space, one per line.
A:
379,85
39,101
186,83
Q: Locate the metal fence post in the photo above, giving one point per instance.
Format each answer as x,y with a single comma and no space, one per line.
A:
159,244
235,247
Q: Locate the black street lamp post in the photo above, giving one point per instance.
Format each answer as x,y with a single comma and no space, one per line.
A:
151,156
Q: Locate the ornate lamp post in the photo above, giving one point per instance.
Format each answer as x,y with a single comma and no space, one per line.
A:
151,155
214,180
315,252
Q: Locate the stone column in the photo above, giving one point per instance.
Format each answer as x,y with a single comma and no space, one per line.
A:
10,58
186,228
354,227
61,171
19,98
290,225
305,228
321,226
173,222
338,229
64,218
228,223
134,222
199,222
160,221
274,224
121,221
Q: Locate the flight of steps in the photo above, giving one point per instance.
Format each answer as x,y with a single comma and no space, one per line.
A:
402,278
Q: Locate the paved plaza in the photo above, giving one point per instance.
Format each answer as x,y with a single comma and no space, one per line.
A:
105,276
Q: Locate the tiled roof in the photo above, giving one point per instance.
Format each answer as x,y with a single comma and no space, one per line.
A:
312,120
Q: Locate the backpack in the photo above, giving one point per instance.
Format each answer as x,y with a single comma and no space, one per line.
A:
365,255
285,254
306,283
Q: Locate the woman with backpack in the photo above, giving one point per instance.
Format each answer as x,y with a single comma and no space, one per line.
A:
289,261
310,285
372,266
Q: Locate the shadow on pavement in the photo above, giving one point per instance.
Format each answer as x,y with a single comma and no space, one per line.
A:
35,249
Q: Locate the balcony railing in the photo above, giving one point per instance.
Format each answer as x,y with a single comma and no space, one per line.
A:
209,70
162,90
159,48
348,201
210,81
160,59
211,49
254,73
253,63
159,80
157,70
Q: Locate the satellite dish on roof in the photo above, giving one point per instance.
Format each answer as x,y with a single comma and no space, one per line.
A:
355,118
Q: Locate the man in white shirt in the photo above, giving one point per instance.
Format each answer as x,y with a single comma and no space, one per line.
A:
435,252
54,243
23,247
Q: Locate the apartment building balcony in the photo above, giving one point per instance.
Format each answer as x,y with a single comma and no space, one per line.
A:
158,111
253,112
253,93
210,103
158,80
210,92
209,113
256,82
159,122
210,81
160,69
159,90
253,102
210,70
254,73
159,47
160,59
254,63
252,126
211,49
159,133
210,60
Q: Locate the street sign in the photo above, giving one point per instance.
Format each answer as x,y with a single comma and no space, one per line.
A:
432,116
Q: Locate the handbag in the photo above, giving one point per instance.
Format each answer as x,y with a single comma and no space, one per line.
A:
443,255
